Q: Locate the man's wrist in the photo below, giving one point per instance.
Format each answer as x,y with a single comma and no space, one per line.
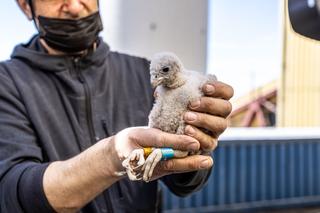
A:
66,182
113,166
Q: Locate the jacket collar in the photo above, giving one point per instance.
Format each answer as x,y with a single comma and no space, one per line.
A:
34,54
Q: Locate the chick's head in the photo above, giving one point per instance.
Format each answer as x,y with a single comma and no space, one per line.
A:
165,69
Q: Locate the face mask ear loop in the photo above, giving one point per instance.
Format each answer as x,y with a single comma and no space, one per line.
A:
33,14
32,9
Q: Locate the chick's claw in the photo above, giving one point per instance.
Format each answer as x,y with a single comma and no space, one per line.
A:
150,163
133,164
139,168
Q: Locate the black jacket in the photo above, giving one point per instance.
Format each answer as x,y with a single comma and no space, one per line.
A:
54,107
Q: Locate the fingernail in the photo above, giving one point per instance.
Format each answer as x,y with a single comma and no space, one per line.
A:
190,116
195,104
207,163
190,131
193,146
209,88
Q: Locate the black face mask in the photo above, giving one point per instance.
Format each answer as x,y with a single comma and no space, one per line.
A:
69,35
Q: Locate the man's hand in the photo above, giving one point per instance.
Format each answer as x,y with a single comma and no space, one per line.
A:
138,137
134,138
72,183
209,121
208,116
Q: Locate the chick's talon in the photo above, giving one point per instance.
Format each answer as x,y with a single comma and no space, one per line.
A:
150,163
133,164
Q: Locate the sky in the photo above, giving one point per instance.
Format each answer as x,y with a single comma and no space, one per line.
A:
15,28
244,40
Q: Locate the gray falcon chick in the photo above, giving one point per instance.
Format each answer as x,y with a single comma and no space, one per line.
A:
176,87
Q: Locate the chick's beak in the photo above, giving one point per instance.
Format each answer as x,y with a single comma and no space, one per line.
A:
156,81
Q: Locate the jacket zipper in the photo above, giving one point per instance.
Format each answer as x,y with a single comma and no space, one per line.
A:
87,100
105,127
82,80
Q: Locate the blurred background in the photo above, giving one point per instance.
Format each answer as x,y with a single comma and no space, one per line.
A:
268,160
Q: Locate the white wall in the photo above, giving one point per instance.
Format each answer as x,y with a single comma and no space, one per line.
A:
144,27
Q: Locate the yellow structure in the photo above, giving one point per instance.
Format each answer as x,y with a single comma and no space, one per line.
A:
299,92
257,108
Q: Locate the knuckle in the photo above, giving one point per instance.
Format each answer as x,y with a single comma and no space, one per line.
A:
210,146
214,144
207,102
212,105
161,140
231,92
133,135
205,142
203,119
221,126
205,148
168,165
210,143
228,108
180,145
191,165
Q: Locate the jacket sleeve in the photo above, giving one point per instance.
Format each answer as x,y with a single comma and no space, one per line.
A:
186,183
21,170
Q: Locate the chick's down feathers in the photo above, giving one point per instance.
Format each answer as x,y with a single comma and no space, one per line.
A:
175,88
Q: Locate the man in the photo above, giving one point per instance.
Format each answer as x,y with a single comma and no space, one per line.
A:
66,102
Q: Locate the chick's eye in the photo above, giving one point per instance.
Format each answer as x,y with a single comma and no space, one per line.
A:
165,69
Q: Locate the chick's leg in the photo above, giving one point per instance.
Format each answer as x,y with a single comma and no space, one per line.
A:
150,163
158,155
137,167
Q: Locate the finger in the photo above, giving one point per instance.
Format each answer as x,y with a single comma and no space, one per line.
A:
213,106
182,165
215,124
154,164
147,137
207,142
218,89
188,164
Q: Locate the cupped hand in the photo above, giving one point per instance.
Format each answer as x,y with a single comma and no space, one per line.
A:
207,116
134,138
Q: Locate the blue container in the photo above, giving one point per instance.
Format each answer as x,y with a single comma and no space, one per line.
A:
257,174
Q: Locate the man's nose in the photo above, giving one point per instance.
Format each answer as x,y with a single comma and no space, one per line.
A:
73,7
